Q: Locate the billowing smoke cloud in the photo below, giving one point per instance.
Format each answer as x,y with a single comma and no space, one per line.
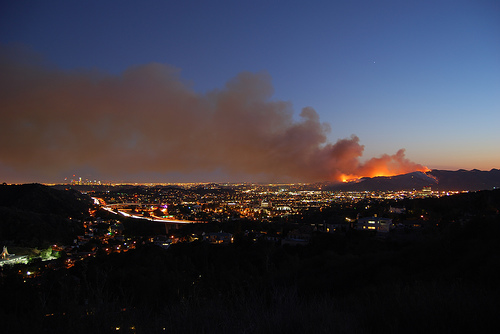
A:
148,120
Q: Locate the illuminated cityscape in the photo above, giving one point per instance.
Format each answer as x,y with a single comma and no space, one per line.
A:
225,167
192,237
172,206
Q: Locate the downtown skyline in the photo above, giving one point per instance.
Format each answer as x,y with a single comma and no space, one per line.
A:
250,91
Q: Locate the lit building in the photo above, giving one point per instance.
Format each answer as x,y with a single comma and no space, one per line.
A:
378,224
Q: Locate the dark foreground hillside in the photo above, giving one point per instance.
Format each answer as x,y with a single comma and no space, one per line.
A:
351,284
444,282
36,215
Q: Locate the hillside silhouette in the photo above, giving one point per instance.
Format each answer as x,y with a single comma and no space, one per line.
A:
36,215
442,180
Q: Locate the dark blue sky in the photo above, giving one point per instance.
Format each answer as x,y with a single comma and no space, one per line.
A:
419,75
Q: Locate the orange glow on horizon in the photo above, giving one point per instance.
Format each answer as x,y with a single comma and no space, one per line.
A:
349,178
346,178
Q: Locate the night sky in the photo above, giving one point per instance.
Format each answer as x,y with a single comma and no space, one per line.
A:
281,91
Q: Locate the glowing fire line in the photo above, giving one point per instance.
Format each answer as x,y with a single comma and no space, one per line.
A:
347,178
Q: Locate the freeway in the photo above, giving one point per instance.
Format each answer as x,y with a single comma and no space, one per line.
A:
111,208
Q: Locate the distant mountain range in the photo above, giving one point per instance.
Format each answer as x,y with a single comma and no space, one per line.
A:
442,180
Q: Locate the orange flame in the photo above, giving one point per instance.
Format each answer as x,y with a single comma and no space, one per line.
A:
348,178
386,165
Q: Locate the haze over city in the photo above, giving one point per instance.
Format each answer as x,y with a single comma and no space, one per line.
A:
256,91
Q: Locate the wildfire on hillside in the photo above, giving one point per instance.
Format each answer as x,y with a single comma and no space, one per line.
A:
347,178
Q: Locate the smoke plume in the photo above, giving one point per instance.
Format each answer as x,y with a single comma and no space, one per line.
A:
148,120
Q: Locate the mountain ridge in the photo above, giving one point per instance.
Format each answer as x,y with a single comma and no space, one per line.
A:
442,180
